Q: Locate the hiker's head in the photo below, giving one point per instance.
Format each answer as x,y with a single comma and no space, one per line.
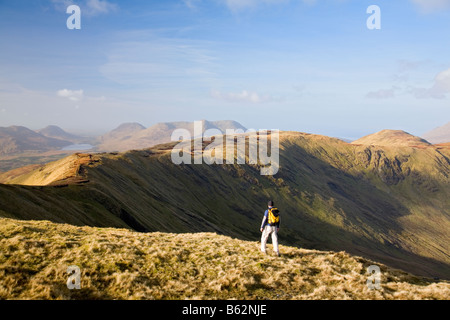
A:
270,204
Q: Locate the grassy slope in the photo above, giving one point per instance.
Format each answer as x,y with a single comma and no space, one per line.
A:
122,264
389,204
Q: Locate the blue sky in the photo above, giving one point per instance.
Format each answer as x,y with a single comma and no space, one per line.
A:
304,65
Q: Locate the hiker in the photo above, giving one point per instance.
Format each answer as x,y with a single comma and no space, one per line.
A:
270,226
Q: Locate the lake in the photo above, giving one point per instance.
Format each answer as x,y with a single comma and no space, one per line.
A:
81,146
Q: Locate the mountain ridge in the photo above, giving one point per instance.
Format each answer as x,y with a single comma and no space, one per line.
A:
388,204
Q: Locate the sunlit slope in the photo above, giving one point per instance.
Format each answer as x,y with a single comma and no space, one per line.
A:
67,169
123,264
392,138
390,204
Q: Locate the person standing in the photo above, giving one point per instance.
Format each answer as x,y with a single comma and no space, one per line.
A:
270,226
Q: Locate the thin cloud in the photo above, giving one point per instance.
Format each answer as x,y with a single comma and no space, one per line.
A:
88,7
159,61
405,67
240,5
191,4
243,96
428,6
98,7
382,94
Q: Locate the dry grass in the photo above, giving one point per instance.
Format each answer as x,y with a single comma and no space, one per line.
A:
122,264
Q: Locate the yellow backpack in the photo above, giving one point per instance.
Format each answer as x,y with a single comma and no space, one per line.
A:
274,216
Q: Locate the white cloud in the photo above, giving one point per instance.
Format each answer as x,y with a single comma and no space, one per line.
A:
78,95
244,96
439,89
428,6
382,94
73,95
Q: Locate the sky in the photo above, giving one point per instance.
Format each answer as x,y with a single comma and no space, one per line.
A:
305,65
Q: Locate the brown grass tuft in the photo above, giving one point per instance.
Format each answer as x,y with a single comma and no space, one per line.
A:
122,264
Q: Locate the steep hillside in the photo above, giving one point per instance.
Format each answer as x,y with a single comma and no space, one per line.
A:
387,204
122,264
17,139
439,135
392,138
135,136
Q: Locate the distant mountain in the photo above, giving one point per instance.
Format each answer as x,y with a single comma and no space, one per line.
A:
135,136
58,133
388,204
439,135
18,139
393,138
122,132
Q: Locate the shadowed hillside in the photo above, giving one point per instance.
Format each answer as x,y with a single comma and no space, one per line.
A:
122,264
389,204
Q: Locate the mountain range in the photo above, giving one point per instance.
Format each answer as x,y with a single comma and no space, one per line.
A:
20,146
135,136
18,139
389,204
